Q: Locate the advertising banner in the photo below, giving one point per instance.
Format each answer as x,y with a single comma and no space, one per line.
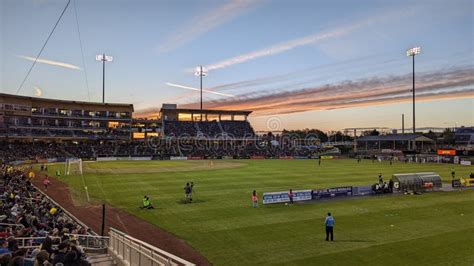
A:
106,159
327,157
447,152
257,157
332,192
178,158
300,157
362,191
282,196
286,157
463,162
195,158
144,158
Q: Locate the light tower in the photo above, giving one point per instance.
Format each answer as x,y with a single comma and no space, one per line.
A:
413,52
200,72
104,58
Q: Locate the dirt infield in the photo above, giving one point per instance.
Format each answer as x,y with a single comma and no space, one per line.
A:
116,218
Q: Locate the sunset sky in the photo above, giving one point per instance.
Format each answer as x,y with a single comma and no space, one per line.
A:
296,64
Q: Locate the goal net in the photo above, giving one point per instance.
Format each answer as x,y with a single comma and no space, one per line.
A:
73,166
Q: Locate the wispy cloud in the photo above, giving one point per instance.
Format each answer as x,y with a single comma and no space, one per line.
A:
446,84
50,62
196,89
206,22
307,40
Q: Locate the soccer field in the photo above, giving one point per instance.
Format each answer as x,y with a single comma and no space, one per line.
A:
433,228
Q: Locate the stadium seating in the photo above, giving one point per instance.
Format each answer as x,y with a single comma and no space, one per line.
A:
26,213
212,129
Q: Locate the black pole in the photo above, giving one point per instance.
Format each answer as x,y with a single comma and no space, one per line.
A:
103,78
103,220
200,74
414,128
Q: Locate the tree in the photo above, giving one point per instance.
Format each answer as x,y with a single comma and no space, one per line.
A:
448,136
371,133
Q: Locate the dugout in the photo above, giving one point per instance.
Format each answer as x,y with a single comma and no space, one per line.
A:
417,181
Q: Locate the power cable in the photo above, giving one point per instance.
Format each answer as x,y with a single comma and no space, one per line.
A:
42,48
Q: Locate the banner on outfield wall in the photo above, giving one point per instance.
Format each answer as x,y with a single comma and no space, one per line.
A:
178,158
463,162
285,157
227,157
106,159
282,196
257,157
195,158
332,192
142,158
447,152
300,157
327,157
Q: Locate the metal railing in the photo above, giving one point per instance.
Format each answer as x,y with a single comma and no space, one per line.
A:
132,251
32,242
88,242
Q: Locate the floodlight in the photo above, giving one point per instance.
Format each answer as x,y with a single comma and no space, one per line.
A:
200,72
413,51
103,57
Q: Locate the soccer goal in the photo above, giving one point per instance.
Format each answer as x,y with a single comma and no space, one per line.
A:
73,166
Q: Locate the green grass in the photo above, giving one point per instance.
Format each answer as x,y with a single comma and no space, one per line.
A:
427,229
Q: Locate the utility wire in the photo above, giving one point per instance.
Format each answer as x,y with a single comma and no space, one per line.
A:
82,51
42,48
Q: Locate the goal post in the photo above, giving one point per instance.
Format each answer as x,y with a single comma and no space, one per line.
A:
73,166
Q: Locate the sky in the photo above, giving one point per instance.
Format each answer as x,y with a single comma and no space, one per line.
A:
296,64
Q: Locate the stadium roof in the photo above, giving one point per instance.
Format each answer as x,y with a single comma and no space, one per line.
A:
396,137
206,111
38,99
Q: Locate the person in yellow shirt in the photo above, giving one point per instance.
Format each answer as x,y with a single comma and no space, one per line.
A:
31,175
53,211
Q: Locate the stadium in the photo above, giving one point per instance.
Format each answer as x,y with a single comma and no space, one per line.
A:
85,182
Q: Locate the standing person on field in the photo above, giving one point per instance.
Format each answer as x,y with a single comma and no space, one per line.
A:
290,195
46,183
329,226
453,173
255,199
188,191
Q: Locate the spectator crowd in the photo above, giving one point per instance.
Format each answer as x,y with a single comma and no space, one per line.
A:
27,213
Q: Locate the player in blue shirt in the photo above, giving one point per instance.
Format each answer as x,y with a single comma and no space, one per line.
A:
329,226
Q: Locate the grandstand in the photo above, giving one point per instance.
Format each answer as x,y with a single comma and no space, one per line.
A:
210,124
49,119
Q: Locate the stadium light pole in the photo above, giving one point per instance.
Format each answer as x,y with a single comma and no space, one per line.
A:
201,72
104,58
413,52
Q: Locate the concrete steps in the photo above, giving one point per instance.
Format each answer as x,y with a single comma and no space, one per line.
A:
102,260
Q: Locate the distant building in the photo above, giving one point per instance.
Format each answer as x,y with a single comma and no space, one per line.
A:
395,142
464,135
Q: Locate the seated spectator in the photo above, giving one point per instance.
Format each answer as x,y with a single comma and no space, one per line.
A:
60,255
